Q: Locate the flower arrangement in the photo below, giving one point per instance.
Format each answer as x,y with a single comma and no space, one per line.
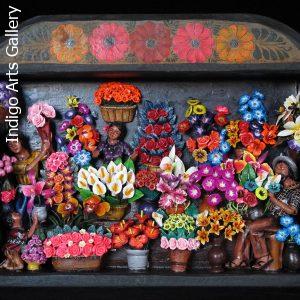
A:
136,233
33,252
290,230
216,222
39,112
290,120
6,163
78,136
156,133
117,92
146,180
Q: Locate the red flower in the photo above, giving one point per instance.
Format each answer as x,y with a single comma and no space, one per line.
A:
203,141
8,196
144,158
191,144
250,199
77,121
167,127
256,147
153,114
141,217
269,133
222,109
150,145
143,141
243,126
109,42
193,42
149,129
184,126
162,113
170,141
151,42
155,160
246,138
138,242
157,129
152,232
163,143
221,119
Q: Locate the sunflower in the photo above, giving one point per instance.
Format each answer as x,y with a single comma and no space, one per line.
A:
200,155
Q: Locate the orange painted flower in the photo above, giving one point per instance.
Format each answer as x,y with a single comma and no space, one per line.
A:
95,205
191,144
203,236
85,133
214,140
233,140
235,44
215,228
238,225
203,220
59,178
203,141
68,208
58,187
269,134
256,147
58,198
229,233
232,128
68,44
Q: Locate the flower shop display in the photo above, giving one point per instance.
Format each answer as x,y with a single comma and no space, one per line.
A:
117,101
33,253
178,233
136,234
156,133
71,249
113,186
78,135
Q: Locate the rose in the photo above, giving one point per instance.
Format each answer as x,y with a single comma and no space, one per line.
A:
49,251
243,126
221,119
85,237
99,250
250,199
163,143
246,138
182,244
98,239
66,237
62,251
74,250
150,145
157,129
153,114
144,158
48,111
77,121
56,241
107,242
155,160
149,129
173,243
167,127
87,250
38,120
162,113
164,243
193,244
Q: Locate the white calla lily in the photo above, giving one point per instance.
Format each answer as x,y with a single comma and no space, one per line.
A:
111,168
261,178
92,170
120,168
186,175
92,179
172,164
158,218
103,174
82,183
115,187
122,176
128,191
131,177
99,188
83,174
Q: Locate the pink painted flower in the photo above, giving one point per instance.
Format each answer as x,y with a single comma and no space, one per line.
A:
182,244
56,241
217,171
109,42
85,237
205,170
99,250
66,237
76,237
87,250
173,243
48,111
57,160
49,251
194,191
165,201
214,199
106,241
62,251
38,121
209,184
179,196
151,42
74,250
164,243
222,184
193,244
193,43
231,194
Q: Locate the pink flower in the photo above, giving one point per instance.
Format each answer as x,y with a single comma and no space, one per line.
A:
205,170
222,184
231,194
56,241
194,191
49,251
76,237
57,160
66,237
87,250
227,174
164,243
34,109
98,239
106,241
165,201
179,196
209,184
74,250
173,243
62,251
193,42
85,237
38,121
193,244
214,199
48,111
182,244
99,250
151,42
109,42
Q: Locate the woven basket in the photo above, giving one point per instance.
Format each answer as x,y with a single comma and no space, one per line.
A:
118,113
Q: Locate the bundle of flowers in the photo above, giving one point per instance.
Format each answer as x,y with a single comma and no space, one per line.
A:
216,181
34,251
289,119
59,178
114,183
219,221
290,230
178,231
156,133
136,233
173,182
117,92
78,135
146,181
6,163
69,243
39,112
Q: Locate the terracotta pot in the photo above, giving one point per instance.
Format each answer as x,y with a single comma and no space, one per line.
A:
137,260
122,113
217,255
116,213
291,257
179,260
92,263
33,266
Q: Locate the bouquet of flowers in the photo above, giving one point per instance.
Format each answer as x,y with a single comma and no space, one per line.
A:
146,181
216,222
290,230
6,163
78,135
33,251
39,112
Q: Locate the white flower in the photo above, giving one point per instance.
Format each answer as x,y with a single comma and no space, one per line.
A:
172,164
70,243
292,128
82,231
82,244
128,191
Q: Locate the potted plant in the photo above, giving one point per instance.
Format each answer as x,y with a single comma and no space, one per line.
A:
117,101
71,249
136,234
33,253
113,183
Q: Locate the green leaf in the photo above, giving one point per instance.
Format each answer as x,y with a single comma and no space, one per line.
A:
129,164
112,200
148,194
137,195
92,229
118,161
181,233
252,174
192,210
67,229
85,194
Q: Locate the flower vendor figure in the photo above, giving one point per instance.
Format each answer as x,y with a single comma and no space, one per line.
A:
17,237
284,202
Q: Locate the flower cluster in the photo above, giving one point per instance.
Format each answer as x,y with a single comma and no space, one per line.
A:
8,195
216,221
136,233
76,244
78,136
118,92
57,161
156,134
181,243
146,178
39,112
6,163
177,221
33,251
289,231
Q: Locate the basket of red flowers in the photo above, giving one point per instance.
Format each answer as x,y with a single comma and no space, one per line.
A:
136,234
117,101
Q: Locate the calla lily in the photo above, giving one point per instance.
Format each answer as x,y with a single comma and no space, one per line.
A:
131,177
172,164
122,176
92,170
92,179
115,187
103,174
128,191
262,176
186,175
111,168
292,128
82,183
120,168
158,218
83,174
272,180
99,188
289,104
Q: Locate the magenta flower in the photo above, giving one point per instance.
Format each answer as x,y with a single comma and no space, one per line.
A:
214,199
228,175
205,170
64,125
194,191
83,108
195,177
165,201
222,184
217,172
74,146
209,184
231,194
234,184
179,196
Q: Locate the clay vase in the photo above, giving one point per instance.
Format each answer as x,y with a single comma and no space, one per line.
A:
179,260
116,212
217,255
291,257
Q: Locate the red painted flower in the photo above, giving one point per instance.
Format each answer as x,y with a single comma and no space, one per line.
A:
109,42
151,42
193,43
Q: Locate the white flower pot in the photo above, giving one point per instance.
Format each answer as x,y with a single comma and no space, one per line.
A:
137,260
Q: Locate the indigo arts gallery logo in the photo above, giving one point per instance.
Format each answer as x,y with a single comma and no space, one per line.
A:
14,109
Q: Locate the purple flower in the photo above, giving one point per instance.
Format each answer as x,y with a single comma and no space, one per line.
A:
234,184
205,170
195,177
194,191
222,184
227,175
73,147
209,184
83,108
64,125
217,172
292,145
214,199
231,194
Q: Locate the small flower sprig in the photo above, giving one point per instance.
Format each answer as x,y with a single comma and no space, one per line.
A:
290,230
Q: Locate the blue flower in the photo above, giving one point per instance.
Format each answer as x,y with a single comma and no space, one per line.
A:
247,117
258,95
82,158
286,220
274,187
281,235
215,157
259,114
250,186
254,104
243,109
297,239
223,133
244,99
293,229
225,147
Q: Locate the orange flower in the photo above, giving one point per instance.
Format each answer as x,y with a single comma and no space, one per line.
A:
269,134
238,225
229,233
203,141
256,147
203,236
233,140
94,205
191,144
203,220
90,145
58,198
59,178
85,133
232,128
214,140
235,44
68,208
215,228
68,44
58,187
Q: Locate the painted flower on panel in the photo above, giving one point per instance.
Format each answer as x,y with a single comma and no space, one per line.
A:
151,42
235,44
193,43
109,42
68,44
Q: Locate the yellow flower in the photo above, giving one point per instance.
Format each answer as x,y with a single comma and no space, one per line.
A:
261,193
232,128
203,236
72,101
71,133
215,228
200,155
229,233
203,220
238,226
215,216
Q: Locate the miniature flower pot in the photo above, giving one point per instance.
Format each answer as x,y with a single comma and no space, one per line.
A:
217,255
291,257
179,260
137,260
116,212
33,266
41,212
122,113
76,264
